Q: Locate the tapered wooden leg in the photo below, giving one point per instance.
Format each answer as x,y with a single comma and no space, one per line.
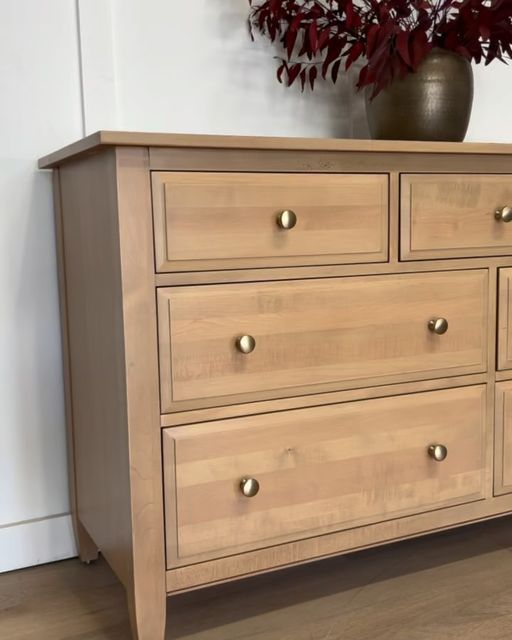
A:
147,616
87,549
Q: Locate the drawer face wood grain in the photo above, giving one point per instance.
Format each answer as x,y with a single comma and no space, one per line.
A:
229,220
505,319
319,470
503,439
451,216
317,335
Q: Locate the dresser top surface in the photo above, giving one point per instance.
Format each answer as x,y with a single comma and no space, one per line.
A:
177,140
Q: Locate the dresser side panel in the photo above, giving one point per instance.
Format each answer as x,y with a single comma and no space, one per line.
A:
96,352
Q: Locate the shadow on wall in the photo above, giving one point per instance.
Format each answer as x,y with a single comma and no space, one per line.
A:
331,110
193,68
35,449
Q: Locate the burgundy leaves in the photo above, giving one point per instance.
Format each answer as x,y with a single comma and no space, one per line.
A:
390,37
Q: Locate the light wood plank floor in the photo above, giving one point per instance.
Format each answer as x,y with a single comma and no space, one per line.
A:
455,585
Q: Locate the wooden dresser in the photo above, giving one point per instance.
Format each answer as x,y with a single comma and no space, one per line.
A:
278,350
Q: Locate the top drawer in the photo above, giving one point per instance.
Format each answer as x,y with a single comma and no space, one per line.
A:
452,216
206,221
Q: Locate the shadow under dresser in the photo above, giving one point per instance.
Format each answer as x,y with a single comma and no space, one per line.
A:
277,350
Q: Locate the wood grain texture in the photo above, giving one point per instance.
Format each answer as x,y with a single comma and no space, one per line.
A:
309,334
304,551
327,271
87,549
180,418
96,354
323,161
100,139
505,318
332,340
320,470
228,220
503,439
453,216
146,591
107,234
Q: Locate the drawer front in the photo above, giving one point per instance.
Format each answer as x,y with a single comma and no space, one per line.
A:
230,220
449,216
319,470
503,439
505,319
317,335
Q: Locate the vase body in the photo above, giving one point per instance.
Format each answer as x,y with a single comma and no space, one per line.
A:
432,104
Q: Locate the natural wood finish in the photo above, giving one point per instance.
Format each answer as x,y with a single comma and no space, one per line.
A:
113,371
394,206
209,221
320,470
503,442
304,551
332,338
323,161
146,591
180,418
453,216
87,549
491,377
94,312
326,271
312,334
505,319
96,141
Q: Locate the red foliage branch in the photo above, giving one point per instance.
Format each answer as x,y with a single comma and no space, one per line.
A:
391,36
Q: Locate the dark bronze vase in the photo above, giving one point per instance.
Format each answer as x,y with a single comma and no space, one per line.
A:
432,104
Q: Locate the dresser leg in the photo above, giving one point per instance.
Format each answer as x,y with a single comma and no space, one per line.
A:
87,549
147,616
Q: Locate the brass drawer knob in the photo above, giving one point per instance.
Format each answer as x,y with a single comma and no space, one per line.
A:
438,325
504,214
438,452
286,219
249,487
245,344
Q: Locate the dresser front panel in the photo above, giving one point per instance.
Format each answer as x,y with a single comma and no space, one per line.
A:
505,318
453,215
503,440
229,220
319,470
308,333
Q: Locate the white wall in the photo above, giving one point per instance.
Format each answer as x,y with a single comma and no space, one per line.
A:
40,108
192,68
74,66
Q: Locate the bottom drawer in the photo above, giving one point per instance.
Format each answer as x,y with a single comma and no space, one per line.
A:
319,470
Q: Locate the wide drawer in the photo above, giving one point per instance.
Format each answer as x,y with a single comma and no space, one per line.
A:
317,335
232,220
319,470
449,216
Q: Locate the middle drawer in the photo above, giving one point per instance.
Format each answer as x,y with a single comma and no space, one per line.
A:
225,344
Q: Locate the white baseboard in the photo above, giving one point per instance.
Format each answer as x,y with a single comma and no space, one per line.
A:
36,542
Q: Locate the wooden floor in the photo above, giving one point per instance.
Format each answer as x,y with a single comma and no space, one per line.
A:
452,585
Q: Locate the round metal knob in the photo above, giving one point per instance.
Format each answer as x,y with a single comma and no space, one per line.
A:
438,325
249,487
438,452
245,344
286,219
504,214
